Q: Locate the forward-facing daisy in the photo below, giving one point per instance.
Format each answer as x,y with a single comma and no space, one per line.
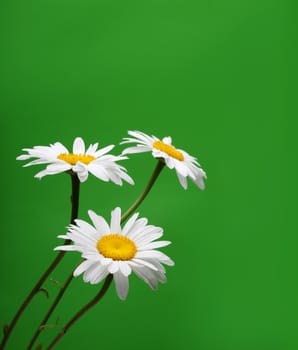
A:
184,164
80,161
119,251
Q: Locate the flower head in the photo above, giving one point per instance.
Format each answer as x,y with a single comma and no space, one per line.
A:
184,164
80,161
119,251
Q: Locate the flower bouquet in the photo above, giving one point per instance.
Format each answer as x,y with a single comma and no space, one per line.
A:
111,250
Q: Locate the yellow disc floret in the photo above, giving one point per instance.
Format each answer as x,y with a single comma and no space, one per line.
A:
169,150
116,247
72,159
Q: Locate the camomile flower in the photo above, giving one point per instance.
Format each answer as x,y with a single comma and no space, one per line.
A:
110,249
81,161
174,158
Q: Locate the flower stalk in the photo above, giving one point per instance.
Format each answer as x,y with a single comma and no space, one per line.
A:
74,213
50,311
160,165
82,311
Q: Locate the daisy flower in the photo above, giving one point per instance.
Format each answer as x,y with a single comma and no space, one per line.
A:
110,249
80,161
174,158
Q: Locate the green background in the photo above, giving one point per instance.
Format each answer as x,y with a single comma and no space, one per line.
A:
218,76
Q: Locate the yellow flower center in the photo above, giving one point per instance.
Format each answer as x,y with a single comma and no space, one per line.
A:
116,247
169,150
74,158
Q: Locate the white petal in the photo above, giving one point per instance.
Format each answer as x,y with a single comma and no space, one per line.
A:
99,222
199,181
143,137
167,140
154,254
86,228
142,262
82,267
157,264
92,149
170,163
148,237
149,276
140,272
182,180
125,268
83,176
79,167
140,234
114,176
66,247
82,171
129,224
102,273
82,238
98,171
121,284
38,161
182,169
115,220
113,267
41,174
136,149
154,245
105,261
138,227
63,236
78,146
58,167
91,272
98,274
58,148
126,178
23,157
103,151
92,255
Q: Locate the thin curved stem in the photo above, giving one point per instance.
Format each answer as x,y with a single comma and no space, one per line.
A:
75,197
50,311
82,311
160,165
74,213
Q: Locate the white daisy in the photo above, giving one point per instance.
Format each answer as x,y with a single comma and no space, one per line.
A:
184,164
119,251
80,161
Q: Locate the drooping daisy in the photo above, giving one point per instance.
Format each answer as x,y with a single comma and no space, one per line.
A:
119,251
80,161
184,164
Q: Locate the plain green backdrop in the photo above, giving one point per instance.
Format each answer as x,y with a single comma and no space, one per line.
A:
217,76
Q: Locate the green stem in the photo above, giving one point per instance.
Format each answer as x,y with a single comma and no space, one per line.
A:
82,311
74,213
151,182
75,197
50,311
